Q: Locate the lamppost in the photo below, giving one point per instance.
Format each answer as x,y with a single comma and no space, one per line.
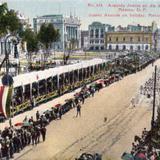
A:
7,79
154,99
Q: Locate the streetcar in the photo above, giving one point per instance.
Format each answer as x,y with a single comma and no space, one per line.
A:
45,85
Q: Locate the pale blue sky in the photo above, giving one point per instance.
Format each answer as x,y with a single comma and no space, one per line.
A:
33,8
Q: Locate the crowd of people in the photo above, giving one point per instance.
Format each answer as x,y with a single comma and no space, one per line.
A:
31,131
15,138
148,87
142,148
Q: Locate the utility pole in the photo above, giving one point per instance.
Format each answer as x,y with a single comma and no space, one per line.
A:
154,98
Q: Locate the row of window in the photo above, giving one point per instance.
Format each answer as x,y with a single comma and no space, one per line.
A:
96,41
130,39
131,47
97,36
97,31
97,48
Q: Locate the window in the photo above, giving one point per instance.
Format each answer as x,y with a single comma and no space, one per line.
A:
110,47
91,41
124,47
102,33
131,47
102,41
116,39
97,48
97,41
110,39
91,33
139,47
139,39
146,47
97,33
131,39
117,47
102,47
124,39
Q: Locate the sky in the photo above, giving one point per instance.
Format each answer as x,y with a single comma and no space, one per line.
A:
80,8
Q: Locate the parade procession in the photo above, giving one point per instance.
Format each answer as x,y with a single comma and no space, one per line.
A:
75,85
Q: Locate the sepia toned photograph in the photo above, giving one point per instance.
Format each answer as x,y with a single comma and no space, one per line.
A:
79,79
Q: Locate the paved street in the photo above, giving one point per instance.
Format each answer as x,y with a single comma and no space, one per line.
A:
69,137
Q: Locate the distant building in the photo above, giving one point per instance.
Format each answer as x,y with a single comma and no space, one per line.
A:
69,28
21,47
156,38
97,35
85,40
23,20
127,40
134,28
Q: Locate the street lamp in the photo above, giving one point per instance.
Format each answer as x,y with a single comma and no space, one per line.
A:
154,98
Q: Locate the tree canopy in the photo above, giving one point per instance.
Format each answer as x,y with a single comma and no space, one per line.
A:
48,34
31,38
9,21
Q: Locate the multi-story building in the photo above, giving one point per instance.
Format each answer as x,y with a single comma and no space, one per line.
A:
127,40
69,29
156,40
85,40
97,35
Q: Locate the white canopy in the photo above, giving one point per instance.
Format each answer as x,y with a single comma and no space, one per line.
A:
27,78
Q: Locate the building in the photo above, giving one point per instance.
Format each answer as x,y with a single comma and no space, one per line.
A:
69,28
85,40
156,39
21,48
23,20
134,28
127,40
97,32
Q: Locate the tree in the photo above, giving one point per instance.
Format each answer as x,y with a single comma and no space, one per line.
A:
48,35
30,38
72,45
9,22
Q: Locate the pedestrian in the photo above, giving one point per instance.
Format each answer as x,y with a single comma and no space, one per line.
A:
133,102
82,97
78,110
60,112
37,115
43,133
92,91
10,122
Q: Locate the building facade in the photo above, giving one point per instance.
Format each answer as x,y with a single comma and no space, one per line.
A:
156,39
97,32
69,29
126,40
84,40
96,36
